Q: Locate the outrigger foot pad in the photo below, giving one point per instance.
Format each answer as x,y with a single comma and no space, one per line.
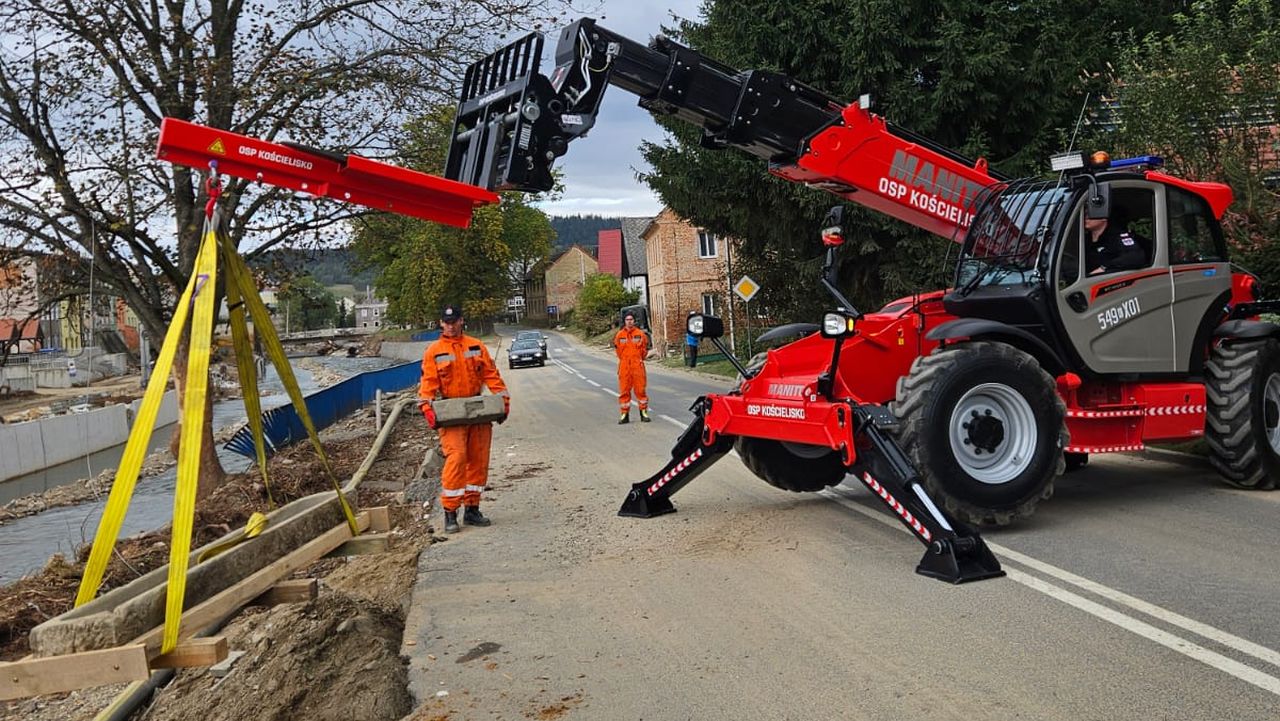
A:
640,504
959,560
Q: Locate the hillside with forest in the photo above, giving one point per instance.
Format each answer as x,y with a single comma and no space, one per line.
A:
581,229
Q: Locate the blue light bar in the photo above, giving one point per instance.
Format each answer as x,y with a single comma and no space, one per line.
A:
1153,161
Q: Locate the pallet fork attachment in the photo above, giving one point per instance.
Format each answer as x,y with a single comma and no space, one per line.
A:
954,553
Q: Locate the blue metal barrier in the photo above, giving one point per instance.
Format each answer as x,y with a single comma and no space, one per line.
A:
281,426
426,335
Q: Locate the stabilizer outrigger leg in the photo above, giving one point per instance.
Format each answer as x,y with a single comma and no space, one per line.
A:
689,457
956,553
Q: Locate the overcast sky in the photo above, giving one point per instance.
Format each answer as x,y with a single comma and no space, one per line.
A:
599,170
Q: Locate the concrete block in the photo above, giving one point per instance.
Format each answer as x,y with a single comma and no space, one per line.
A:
71,436
126,613
21,449
468,411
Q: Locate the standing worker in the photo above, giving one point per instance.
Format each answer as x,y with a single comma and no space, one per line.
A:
457,366
691,342
632,345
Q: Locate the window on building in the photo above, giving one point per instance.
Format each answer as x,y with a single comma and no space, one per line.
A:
708,304
706,244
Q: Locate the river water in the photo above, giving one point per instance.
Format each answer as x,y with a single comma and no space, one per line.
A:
27,543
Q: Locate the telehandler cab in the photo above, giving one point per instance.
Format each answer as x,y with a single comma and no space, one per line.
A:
1038,355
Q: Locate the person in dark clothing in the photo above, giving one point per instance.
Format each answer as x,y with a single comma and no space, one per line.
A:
691,344
1111,247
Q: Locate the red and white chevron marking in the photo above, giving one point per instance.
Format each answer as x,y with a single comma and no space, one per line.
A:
1103,449
1074,413
1174,410
672,473
898,508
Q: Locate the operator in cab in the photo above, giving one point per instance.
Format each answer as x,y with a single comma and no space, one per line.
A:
1110,247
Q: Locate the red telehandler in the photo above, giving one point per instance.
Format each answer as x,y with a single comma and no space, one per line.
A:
980,395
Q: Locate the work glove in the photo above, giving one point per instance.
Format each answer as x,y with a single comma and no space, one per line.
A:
430,414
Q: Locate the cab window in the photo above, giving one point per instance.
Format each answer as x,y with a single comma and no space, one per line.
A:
1191,236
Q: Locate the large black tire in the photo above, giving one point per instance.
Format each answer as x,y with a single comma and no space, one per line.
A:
1242,423
789,466
985,427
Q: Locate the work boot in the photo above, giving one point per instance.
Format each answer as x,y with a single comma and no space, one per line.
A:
644,415
626,417
451,522
473,517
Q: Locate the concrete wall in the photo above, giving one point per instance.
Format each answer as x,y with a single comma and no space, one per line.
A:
18,377
35,445
403,350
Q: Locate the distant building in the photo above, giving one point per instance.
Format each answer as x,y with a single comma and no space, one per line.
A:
19,299
556,282
609,251
635,263
371,313
688,269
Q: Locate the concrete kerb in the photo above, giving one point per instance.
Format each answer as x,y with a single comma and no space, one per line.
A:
127,612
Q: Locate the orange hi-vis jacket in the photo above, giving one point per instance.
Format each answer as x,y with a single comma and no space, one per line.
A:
631,346
458,368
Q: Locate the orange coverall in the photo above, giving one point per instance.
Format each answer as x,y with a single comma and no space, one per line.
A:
458,368
631,346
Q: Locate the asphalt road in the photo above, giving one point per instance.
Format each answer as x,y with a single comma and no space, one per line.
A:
1144,589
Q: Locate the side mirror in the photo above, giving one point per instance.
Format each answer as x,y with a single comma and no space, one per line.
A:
705,326
833,226
1097,204
838,324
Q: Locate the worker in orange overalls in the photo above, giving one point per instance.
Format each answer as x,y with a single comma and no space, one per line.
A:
457,366
632,345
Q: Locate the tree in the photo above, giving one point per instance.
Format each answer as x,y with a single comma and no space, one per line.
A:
84,85
1207,99
422,265
528,235
308,305
601,298
1000,80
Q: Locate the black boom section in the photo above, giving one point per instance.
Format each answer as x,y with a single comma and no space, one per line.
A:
513,122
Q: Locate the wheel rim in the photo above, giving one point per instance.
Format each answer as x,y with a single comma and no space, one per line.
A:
1271,411
993,432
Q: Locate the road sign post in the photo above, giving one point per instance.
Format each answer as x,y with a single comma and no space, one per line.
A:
746,289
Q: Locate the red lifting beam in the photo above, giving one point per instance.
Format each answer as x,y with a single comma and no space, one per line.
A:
349,178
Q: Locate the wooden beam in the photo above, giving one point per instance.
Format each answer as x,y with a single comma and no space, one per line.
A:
379,519
295,590
193,653
38,676
231,599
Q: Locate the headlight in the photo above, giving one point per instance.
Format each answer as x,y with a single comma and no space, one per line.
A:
537,354
705,326
837,325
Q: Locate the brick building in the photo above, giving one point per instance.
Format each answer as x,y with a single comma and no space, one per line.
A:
556,282
688,269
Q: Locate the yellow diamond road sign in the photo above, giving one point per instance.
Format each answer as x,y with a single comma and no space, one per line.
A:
746,288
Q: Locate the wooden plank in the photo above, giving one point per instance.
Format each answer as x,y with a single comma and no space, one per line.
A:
379,519
38,676
193,653
231,599
365,544
295,590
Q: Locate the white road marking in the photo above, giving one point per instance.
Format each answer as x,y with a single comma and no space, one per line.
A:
671,420
597,385
1164,638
